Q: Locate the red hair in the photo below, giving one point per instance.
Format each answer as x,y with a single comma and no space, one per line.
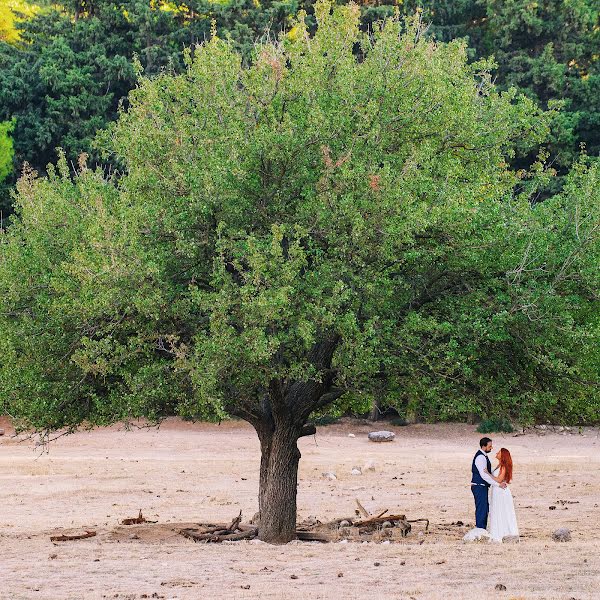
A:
506,464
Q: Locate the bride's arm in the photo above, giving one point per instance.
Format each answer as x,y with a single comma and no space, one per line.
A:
500,477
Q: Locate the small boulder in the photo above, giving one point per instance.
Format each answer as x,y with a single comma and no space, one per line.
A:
500,587
562,535
356,471
330,476
476,534
382,436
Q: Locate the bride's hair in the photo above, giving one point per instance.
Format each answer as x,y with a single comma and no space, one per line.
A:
506,464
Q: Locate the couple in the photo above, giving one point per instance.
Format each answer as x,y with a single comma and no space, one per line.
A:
500,506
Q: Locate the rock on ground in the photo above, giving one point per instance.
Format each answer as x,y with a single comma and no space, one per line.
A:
562,535
382,436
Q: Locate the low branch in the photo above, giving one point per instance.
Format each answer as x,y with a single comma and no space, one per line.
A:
308,429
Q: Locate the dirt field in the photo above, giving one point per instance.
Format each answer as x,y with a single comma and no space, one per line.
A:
186,473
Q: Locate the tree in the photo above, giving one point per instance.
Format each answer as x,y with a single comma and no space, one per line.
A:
276,223
548,50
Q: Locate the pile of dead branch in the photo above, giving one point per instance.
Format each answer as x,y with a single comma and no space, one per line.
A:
363,526
209,533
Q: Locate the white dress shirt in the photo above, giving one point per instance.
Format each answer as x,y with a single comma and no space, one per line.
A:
481,464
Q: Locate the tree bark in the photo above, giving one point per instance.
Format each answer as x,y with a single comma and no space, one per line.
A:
278,485
375,409
280,418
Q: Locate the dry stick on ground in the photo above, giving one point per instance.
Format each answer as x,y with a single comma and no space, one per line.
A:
417,520
136,520
217,536
379,520
235,523
68,538
362,509
221,533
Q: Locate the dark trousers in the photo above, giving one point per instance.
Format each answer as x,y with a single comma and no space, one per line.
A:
482,506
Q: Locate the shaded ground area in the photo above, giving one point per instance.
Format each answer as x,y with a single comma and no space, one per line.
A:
185,473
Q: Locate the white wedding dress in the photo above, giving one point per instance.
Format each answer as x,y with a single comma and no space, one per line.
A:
503,520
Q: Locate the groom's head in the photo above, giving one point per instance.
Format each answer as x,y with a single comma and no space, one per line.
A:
485,444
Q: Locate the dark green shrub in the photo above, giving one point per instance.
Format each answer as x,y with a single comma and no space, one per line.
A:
495,425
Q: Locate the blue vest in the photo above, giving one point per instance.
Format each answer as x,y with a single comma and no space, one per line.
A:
476,477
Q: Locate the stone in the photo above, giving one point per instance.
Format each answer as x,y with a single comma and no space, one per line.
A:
134,536
500,587
562,535
369,466
386,524
356,471
330,476
351,435
476,534
1,431
382,436
345,523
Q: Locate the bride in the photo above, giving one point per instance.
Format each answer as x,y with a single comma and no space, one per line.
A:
503,520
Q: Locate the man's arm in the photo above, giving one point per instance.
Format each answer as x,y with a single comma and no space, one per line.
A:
481,464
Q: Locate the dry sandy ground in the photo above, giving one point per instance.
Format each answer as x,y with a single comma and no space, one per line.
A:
186,473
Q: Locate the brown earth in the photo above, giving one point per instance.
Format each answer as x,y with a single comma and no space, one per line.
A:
187,473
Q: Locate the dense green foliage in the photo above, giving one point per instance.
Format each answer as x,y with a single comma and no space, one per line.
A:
65,68
495,425
306,205
64,77
549,50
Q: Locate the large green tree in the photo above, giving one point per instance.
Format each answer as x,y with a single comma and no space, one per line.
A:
278,223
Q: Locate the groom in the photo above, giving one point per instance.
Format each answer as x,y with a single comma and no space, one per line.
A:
481,481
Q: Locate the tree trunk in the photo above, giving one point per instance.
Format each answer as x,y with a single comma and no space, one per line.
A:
375,409
278,485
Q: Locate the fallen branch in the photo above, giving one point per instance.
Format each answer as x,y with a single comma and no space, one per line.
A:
362,509
417,520
378,520
311,536
219,535
68,538
136,520
235,523
233,532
